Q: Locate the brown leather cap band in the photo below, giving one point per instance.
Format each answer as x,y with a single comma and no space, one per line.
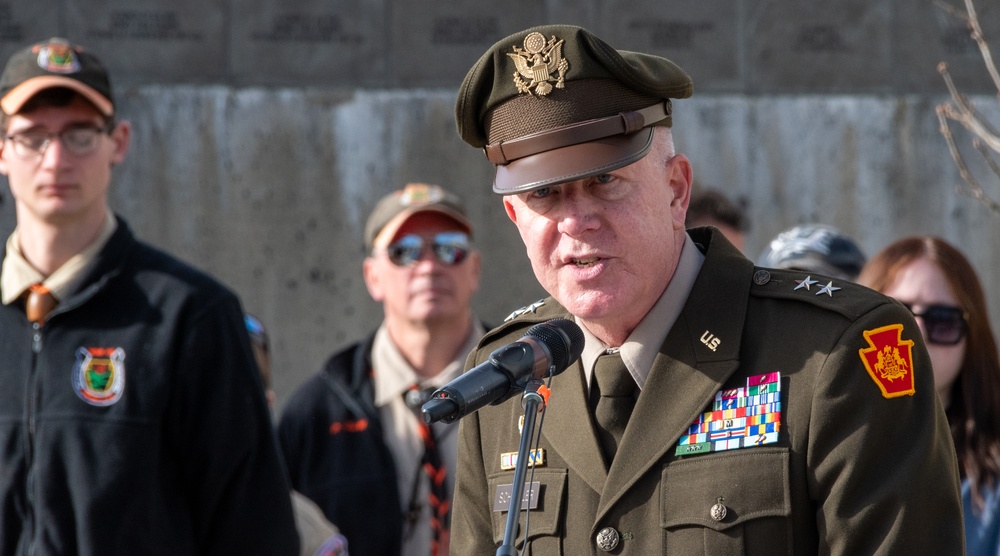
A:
623,123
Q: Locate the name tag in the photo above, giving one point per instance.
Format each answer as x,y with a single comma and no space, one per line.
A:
529,498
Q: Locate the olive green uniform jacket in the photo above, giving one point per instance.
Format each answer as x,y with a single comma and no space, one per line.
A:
853,472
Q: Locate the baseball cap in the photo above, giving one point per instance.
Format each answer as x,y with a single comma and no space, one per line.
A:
815,248
395,208
54,63
555,103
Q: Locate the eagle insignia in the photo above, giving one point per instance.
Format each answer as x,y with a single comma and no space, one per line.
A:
539,64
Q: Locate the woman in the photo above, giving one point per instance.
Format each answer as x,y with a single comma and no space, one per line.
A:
939,285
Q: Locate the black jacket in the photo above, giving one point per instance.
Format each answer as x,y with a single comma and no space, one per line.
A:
134,421
332,438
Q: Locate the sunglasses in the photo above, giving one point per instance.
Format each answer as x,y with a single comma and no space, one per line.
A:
449,248
945,324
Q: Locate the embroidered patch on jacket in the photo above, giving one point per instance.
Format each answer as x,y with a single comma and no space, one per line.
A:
540,62
889,360
99,375
740,418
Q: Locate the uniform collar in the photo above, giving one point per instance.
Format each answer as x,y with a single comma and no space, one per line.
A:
17,274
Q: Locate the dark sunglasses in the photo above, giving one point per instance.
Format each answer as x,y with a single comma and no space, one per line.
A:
449,248
945,324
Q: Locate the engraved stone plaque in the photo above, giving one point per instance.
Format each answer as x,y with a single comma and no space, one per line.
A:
434,46
805,47
148,40
701,37
926,34
310,42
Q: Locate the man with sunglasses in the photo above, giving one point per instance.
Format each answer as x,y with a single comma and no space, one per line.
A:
132,419
718,408
352,435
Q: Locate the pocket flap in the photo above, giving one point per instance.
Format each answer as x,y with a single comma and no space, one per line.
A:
750,483
545,516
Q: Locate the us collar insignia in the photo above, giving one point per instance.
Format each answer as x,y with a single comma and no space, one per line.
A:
99,375
528,309
537,62
741,417
889,360
57,58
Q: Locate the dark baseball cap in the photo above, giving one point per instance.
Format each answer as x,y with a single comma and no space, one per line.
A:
395,208
555,103
54,63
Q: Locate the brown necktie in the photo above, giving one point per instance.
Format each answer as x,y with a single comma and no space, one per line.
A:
613,397
39,303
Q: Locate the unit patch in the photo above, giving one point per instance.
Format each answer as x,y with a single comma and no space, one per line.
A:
740,418
99,375
889,360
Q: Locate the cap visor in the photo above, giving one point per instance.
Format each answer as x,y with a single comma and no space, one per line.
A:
572,163
15,99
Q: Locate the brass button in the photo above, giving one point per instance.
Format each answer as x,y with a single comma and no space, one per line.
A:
607,539
718,510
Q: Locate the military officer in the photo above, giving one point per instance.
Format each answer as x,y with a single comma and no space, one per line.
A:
718,407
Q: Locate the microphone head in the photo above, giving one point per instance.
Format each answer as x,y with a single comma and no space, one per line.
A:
562,337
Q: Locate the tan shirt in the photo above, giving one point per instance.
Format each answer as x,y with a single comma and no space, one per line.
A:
642,345
393,377
17,274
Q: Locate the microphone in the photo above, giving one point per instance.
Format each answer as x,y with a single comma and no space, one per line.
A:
554,344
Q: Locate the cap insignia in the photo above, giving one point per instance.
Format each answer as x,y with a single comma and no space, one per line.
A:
537,62
58,58
889,360
420,194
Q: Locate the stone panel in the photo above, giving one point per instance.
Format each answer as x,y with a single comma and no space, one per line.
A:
310,43
144,41
435,45
800,46
930,34
702,37
24,23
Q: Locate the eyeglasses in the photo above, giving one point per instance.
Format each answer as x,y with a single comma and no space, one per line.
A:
78,140
449,248
945,324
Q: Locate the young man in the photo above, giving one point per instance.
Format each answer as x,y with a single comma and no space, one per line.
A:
718,408
133,421
353,435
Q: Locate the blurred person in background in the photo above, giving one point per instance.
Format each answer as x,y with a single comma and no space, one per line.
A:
814,248
940,286
353,435
710,207
318,536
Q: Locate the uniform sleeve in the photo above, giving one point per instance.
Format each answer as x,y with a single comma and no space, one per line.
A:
884,470
221,428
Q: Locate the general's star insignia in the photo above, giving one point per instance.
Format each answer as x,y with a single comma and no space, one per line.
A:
528,309
805,283
828,289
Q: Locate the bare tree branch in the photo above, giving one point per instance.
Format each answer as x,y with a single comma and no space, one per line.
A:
960,110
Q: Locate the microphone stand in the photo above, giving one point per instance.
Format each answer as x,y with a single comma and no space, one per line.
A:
536,395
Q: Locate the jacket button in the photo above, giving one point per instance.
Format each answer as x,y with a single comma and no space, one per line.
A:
607,539
761,277
718,511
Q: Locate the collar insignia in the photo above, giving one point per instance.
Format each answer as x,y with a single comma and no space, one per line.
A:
99,375
889,360
741,417
537,62
523,310
805,283
828,289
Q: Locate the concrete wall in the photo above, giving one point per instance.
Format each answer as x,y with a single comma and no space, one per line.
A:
264,132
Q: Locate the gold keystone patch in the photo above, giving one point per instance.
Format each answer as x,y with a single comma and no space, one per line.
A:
889,360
